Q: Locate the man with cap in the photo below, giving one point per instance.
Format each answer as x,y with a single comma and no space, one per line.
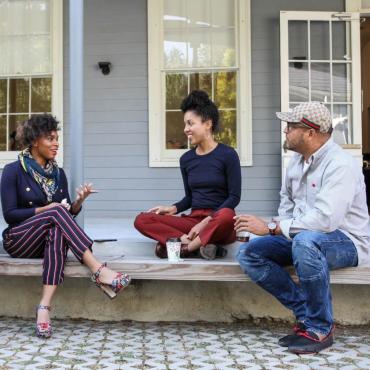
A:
323,224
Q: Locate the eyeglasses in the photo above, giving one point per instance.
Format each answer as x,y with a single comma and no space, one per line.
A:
291,126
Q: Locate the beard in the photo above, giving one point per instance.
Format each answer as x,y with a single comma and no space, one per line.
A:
295,144
285,146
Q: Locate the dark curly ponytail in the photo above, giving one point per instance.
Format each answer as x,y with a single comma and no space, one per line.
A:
199,102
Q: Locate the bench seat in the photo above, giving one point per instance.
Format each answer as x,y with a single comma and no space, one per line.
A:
138,260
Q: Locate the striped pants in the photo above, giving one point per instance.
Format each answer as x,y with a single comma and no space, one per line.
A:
49,235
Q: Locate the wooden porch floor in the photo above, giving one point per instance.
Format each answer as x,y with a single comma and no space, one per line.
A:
134,254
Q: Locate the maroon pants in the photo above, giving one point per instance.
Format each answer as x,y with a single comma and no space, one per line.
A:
220,230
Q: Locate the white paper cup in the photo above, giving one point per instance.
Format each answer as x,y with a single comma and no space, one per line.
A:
173,246
243,236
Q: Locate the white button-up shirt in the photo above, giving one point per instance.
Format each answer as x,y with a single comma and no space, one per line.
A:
326,194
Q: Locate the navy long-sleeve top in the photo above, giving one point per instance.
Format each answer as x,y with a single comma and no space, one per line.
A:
21,194
211,181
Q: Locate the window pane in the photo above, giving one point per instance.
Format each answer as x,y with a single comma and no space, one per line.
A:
4,47
26,17
341,124
223,48
320,49
3,84
223,13
227,133
175,48
175,136
2,132
18,95
41,95
25,37
199,13
201,81
298,37
342,89
199,34
38,19
39,58
298,82
19,52
29,55
3,16
225,89
13,122
174,14
341,32
176,89
320,82
199,48
16,19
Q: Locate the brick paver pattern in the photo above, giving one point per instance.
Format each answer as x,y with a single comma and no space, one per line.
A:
90,345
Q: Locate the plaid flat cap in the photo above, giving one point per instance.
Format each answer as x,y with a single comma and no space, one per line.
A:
312,114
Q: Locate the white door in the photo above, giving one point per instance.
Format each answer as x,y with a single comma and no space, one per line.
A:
320,61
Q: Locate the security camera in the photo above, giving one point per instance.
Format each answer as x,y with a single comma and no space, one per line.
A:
105,67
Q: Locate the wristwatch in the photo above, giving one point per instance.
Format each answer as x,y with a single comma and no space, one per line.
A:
272,227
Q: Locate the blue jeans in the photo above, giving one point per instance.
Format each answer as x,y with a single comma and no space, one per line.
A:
313,254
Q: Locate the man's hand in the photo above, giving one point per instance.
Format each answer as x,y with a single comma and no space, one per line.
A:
164,210
250,223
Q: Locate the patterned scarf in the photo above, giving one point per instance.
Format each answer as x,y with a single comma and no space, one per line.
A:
47,178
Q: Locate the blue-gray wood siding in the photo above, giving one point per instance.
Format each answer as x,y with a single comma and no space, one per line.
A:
116,109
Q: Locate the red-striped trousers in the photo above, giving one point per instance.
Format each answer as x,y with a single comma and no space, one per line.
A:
49,235
220,230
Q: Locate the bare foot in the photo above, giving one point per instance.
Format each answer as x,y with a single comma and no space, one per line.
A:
184,239
42,316
107,275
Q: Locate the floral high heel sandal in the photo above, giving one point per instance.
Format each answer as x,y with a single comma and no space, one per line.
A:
43,329
120,282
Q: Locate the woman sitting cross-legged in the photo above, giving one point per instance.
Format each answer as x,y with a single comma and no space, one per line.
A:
212,180
37,207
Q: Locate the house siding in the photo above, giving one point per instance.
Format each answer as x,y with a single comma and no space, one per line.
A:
116,109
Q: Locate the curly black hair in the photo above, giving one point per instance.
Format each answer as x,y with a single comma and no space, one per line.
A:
199,102
37,126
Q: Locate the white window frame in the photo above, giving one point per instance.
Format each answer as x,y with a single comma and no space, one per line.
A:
356,147
158,155
56,28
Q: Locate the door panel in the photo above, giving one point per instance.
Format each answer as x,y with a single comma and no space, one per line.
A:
320,61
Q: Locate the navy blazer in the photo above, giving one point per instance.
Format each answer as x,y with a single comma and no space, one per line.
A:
21,194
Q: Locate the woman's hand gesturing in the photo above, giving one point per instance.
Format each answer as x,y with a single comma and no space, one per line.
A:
83,191
164,210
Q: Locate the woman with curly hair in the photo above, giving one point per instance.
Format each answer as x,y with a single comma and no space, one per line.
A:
38,209
212,181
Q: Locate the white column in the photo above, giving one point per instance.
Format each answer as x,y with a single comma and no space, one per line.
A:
76,47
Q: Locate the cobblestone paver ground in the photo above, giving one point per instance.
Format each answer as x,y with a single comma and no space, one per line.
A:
133,345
